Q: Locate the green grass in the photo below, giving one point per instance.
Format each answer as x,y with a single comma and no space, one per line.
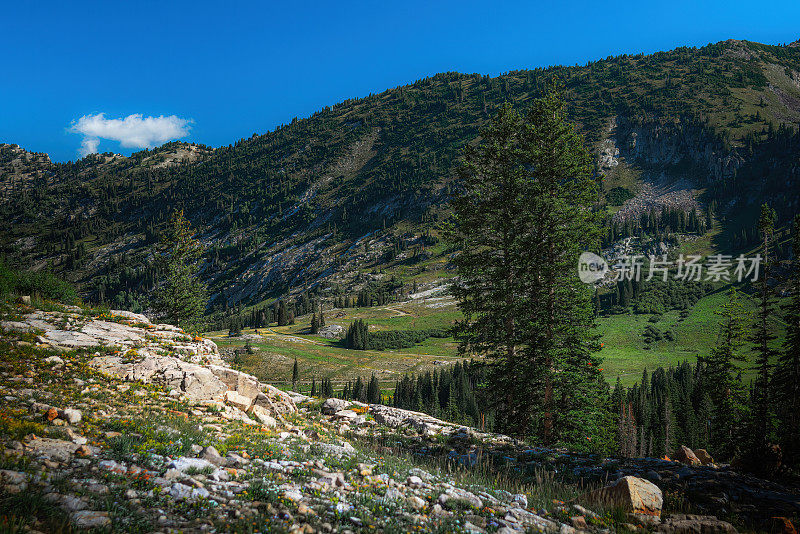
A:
626,354
625,351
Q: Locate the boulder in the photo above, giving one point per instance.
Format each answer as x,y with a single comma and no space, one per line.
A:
138,317
331,331
238,401
242,383
687,456
211,454
90,519
70,415
331,406
635,495
276,401
703,456
183,464
263,415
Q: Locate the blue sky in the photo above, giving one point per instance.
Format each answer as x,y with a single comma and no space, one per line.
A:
235,68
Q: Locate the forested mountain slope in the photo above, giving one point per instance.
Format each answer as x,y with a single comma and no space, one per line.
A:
360,186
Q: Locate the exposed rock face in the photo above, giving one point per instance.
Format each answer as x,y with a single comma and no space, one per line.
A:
638,496
656,142
703,456
193,380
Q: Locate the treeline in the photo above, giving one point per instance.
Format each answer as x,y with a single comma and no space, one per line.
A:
372,294
654,296
659,224
359,337
672,407
450,394
709,405
281,312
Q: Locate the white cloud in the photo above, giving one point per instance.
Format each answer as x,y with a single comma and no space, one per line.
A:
134,131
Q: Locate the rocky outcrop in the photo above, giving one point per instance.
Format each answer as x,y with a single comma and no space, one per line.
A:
158,354
331,331
653,141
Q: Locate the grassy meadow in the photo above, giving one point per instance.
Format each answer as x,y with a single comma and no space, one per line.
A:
272,350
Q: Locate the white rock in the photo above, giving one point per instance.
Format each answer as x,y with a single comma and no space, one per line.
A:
183,464
263,416
70,415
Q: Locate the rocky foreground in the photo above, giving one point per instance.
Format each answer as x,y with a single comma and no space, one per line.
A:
110,422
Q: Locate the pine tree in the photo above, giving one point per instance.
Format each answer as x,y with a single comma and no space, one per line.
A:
373,391
787,372
487,208
295,373
523,216
762,427
314,387
283,314
724,378
182,297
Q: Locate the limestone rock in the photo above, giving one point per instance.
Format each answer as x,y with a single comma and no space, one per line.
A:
264,416
211,454
242,383
632,494
193,380
238,401
70,415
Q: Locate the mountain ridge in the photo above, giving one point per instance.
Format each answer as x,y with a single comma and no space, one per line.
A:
283,211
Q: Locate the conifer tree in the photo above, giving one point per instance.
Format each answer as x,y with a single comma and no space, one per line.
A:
373,391
762,414
182,297
295,373
283,314
787,373
523,216
724,378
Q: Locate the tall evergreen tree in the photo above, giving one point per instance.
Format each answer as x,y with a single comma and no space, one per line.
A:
373,391
724,378
523,216
283,314
762,414
182,297
787,372
295,373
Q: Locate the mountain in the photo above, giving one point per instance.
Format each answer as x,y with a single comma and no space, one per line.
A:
355,193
